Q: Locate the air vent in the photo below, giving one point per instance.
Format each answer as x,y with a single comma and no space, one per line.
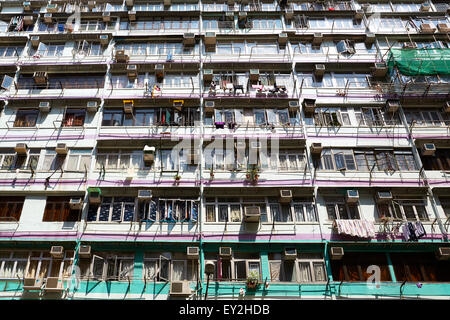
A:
209,106
370,38
21,148
149,154
352,196
132,71
242,15
121,56
336,253
383,196
180,288
316,148
167,2
318,38
225,252
290,254
27,6
425,7
282,38
285,196
192,252
293,105
61,148
379,70
76,203
428,149
443,27
309,105
57,252
129,3
84,251
92,106
144,195
128,106
188,39
44,106
252,214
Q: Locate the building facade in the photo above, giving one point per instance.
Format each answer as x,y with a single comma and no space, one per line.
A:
224,149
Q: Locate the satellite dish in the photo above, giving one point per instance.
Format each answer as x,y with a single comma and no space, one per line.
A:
7,82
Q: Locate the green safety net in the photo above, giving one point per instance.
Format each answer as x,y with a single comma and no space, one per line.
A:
414,62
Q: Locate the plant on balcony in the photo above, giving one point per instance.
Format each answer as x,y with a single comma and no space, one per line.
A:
177,177
252,280
253,174
211,173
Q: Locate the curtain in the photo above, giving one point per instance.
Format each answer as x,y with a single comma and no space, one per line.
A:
177,270
305,272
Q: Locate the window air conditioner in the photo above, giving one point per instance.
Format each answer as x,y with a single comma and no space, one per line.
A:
48,18
409,45
290,254
52,8
144,195
316,148
318,38
180,288
383,196
132,15
57,252
443,27
379,70
207,75
446,108
285,196
21,148
425,6
392,105
121,56
44,106
27,6
129,3
94,196
289,13
40,77
319,70
209,106
149,154
192,252
427,28
210,38
192,156
132,71
229,16
370,38
252,214
336,253
443,253
254,74
34,41
92,106
293,105
428,149
52,284
225,252
352,196
282,38
104,40
76,203
189,39
32,284
84,251
242,15
359,14
309,105
106,16
61,148
28,20
128,106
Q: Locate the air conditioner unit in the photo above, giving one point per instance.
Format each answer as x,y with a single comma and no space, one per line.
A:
379,70
409,45
252,214
446,108
44,106
319,70
309,105
61,148
293,105
189,39
370,38
210,38
209,106
443,253
48,18
94,196
254,74
21,148
84,251
180,288
76,203
129,3
289,13
229,15
149,154
132,15
27,6
392,105
132,71
383,196
91,4
144,195
285,196
31,284
282,38
57,252
52,8
443,27
106,16
359,14
367,8
104,40
425,6
28,20
427,28
192,252
242,15
167,2
92,106
290,254
230,2
52,284
428,149
128,106
225,252
34,41
210,267
121,56
178,104
318,38
316,148
40,77
352,196
207,75
336,253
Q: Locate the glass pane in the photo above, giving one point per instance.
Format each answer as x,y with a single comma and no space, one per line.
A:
305,272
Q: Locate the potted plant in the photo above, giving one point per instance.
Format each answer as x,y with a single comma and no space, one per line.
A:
252,280
177,178
211,173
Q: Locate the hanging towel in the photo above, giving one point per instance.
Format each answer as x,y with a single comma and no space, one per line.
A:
420,230
412,231
405,230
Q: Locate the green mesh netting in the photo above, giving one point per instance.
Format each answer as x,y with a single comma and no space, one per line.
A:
413,62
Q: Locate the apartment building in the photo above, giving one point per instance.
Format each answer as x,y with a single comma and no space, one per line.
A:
224,149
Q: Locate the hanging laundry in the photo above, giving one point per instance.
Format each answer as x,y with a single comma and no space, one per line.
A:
356,227
420,230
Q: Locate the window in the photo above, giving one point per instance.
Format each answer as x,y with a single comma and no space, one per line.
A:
169,210
53,161
353,266
420,267
13,264
170,267
78,160
440,160
58,209
74,118
13,161
26,118
42,265
331,117
445,203
339,209
306,268
113,209
119,160
10,51
11,208
402,208
111,266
